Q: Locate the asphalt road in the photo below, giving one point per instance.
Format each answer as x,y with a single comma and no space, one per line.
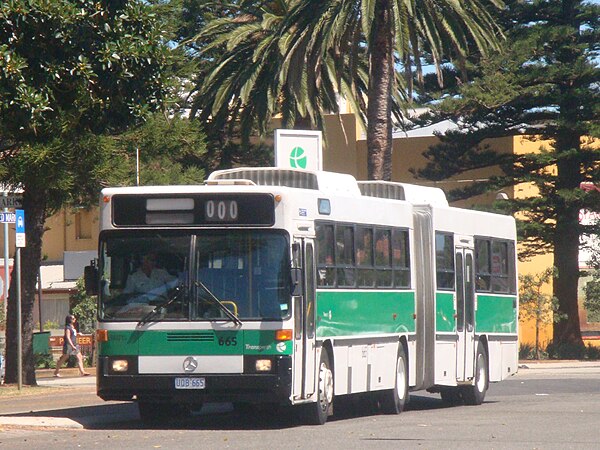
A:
543,407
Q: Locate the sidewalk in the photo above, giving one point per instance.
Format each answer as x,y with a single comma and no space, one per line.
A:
69,377
547,364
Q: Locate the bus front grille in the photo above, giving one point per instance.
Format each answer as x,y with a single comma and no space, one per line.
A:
208,336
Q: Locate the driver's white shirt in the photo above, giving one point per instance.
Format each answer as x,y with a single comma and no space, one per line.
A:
139,282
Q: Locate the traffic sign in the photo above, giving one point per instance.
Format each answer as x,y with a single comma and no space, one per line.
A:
20,228
11,201
8,217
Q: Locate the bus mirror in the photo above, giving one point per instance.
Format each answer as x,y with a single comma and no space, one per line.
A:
90,276
296,281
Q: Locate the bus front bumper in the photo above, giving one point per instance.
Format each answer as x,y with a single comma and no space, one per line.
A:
273,387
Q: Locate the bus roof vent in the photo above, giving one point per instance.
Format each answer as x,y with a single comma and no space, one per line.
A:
269,176
402,191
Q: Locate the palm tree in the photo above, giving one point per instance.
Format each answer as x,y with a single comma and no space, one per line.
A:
259,71
296,57
394,32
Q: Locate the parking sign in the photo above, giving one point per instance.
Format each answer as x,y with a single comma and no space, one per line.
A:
20,228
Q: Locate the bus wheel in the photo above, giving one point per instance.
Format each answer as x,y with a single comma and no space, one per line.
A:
474,395
393,400
319,411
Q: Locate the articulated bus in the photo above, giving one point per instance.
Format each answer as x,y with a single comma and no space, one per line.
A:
285,287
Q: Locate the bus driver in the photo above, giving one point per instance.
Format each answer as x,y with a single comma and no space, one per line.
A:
148,278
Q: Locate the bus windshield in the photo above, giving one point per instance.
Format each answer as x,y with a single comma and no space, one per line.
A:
184,275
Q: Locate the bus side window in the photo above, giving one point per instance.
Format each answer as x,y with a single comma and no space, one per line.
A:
482,265
444,260
401,258
325,255
383,258
364,256
500,267
344,255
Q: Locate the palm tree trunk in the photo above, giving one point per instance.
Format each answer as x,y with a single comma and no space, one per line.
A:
381,73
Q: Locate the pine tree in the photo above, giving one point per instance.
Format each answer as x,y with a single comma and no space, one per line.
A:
544,86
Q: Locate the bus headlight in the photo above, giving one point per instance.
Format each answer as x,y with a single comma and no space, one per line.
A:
263,365
120,365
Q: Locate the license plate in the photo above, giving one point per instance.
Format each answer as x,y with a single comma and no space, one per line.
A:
189,383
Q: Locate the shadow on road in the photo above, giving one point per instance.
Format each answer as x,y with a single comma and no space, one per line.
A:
124,416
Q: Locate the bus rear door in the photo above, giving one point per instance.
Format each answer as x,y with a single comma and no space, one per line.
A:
465,309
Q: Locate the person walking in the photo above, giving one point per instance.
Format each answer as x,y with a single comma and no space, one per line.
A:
70,347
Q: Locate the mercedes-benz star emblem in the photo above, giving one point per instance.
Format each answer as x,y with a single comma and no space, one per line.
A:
190,364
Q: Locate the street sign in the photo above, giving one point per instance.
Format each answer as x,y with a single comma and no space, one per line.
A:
8,217
20,228
11,201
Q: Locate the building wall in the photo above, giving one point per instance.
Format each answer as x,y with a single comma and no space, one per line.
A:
67,230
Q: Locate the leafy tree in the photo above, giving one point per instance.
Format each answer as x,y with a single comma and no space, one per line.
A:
171,151
591,289
85,308
592,297
536,305
71,73
543,85
294,57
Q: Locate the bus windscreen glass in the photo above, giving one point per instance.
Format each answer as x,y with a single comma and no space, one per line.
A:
176,276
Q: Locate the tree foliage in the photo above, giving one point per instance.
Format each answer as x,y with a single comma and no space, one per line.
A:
297,57
536,305
170,150
545,87
85,308
72,72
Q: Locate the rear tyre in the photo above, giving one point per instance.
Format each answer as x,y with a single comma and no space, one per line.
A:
474,395
394,400
318,412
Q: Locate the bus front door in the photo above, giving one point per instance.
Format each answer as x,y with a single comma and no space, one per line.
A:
465,314
304,324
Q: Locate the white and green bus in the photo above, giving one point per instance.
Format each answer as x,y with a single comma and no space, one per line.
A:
285,287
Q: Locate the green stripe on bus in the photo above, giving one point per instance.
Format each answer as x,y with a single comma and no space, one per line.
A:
444,312
349,313
193,342
496,314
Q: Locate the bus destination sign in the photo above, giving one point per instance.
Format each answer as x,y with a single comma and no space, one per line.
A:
180,210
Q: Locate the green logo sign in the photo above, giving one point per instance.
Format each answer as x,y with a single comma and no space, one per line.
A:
298,158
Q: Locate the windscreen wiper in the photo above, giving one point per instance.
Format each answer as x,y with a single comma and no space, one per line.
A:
219,303
160,306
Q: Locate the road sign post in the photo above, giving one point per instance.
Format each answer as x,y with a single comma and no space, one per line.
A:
20,242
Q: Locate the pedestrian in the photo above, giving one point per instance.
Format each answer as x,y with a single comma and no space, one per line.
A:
70,347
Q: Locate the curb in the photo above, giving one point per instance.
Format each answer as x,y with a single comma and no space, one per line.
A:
558,364
39,422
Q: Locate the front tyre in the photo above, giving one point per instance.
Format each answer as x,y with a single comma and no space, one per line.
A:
393,400
319,411
474,395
